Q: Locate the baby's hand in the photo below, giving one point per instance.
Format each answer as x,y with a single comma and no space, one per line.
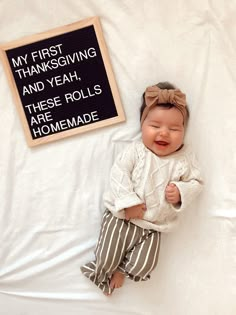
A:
135,212
172,194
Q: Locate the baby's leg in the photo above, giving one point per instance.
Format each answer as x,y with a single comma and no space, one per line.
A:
143,257
109,253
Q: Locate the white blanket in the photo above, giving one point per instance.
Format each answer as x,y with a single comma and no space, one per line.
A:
51,195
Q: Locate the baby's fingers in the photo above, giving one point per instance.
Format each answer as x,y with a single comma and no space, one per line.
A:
171,188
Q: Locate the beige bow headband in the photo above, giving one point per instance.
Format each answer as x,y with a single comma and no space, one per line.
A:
154,95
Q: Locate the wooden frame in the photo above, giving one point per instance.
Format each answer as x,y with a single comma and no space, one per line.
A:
37,87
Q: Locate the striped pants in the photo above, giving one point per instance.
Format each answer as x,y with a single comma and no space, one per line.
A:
125,247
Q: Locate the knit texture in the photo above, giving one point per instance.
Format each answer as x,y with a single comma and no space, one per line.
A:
139,176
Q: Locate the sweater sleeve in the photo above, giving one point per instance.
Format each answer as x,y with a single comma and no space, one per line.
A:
190,184
121,194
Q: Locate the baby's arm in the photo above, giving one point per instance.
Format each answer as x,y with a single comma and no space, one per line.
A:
121,194
187,188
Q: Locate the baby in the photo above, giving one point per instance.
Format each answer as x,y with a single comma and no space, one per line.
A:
151,183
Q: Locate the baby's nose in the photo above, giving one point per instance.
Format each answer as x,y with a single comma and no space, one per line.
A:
164,131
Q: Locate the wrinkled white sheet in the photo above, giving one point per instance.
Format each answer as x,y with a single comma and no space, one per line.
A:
51,195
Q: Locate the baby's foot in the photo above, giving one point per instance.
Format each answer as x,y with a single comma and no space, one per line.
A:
117,280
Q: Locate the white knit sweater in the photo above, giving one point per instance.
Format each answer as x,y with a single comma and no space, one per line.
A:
139,176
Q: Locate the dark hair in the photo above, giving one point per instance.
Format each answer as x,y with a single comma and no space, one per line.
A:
164,86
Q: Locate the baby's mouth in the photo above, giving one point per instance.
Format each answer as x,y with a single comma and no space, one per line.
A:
162,143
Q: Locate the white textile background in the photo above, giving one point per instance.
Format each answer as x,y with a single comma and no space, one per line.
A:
51,195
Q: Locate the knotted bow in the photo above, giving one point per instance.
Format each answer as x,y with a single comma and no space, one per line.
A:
154,95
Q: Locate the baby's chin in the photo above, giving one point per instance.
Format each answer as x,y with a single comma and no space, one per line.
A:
161,148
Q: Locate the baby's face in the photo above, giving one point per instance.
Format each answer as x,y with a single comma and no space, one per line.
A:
163,130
